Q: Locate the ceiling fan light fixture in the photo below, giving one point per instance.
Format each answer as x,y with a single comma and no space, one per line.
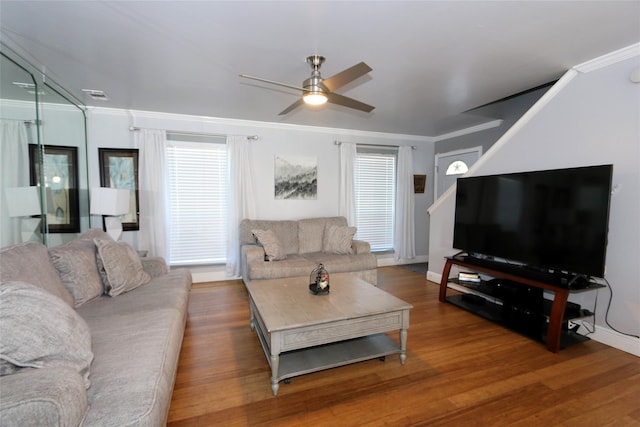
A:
315,98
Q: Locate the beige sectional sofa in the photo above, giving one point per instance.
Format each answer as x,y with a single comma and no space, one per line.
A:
72,355
305,243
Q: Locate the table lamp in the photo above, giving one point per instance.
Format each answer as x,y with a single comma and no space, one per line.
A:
111,203
23,203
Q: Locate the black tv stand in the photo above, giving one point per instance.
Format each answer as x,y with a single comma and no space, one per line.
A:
534,316
560,279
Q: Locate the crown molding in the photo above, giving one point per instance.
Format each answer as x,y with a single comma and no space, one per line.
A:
609,59
219,121
472,129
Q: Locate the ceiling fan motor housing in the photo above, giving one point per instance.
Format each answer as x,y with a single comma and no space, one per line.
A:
314,83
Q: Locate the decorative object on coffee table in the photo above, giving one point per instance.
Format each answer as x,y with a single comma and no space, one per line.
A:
319,281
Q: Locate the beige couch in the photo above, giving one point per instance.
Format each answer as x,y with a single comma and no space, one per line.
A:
71,355
305,243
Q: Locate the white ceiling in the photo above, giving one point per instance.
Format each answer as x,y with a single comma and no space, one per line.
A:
431,60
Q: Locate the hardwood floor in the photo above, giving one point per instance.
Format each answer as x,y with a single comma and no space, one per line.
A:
460,370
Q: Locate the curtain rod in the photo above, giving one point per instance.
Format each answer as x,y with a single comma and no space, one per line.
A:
178,132
376,145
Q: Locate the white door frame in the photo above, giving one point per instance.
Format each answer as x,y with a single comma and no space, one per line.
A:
447,154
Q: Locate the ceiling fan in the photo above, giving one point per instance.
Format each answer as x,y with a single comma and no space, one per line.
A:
317,91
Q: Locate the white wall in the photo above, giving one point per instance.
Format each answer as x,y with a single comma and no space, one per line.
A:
591,116
110,128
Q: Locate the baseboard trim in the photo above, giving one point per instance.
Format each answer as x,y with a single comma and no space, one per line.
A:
385,261
211,277
611,338
434,277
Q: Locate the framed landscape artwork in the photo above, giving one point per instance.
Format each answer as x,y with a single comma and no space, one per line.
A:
60,180
296,178
119,169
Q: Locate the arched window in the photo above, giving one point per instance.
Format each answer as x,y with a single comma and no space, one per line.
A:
457,167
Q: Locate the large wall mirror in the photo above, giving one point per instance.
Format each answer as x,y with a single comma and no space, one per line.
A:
43,163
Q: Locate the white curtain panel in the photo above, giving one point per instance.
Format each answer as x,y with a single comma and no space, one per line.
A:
347,194
14,172
154,222
241,199
404,242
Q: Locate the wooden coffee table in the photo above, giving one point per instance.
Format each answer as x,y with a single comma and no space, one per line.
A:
303,333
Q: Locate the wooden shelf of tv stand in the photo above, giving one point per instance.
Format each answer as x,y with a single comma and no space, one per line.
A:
561,295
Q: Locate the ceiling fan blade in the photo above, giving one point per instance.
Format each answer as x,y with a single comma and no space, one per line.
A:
349,102
292,107
270,81
336,81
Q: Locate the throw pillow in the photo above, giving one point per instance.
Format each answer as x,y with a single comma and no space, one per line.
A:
119,266
95,233
273,249
41,330
29,262
337,239
78,269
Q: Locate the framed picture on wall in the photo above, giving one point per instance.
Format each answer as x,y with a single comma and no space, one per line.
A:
419,183
60,179
296,178
119,169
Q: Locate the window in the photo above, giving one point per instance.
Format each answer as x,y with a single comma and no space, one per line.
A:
197,193
457,167
375,184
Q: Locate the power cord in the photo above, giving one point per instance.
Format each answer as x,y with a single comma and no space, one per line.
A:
606,315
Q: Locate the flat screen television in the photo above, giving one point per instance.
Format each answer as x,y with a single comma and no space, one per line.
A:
553,222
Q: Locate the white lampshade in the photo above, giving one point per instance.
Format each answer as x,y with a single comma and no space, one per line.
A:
23,201
109,201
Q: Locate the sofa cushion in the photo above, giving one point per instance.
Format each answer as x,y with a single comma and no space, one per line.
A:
78,269
337,239
119,266
53,396
29,262
136,340
273,248
287,232
294,265
311,232
335,263
40,330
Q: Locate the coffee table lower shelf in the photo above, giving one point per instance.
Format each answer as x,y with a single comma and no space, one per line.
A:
326,356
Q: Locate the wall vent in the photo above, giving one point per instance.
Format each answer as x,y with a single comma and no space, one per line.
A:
96,94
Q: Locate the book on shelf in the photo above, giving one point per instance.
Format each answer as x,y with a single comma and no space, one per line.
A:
465,276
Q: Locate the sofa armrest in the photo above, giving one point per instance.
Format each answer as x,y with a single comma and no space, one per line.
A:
43,397
154,266
360,247
253,253
250,254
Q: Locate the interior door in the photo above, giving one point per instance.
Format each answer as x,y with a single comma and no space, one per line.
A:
451,165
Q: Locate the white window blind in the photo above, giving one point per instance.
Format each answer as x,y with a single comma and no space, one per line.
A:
375,198
197,202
